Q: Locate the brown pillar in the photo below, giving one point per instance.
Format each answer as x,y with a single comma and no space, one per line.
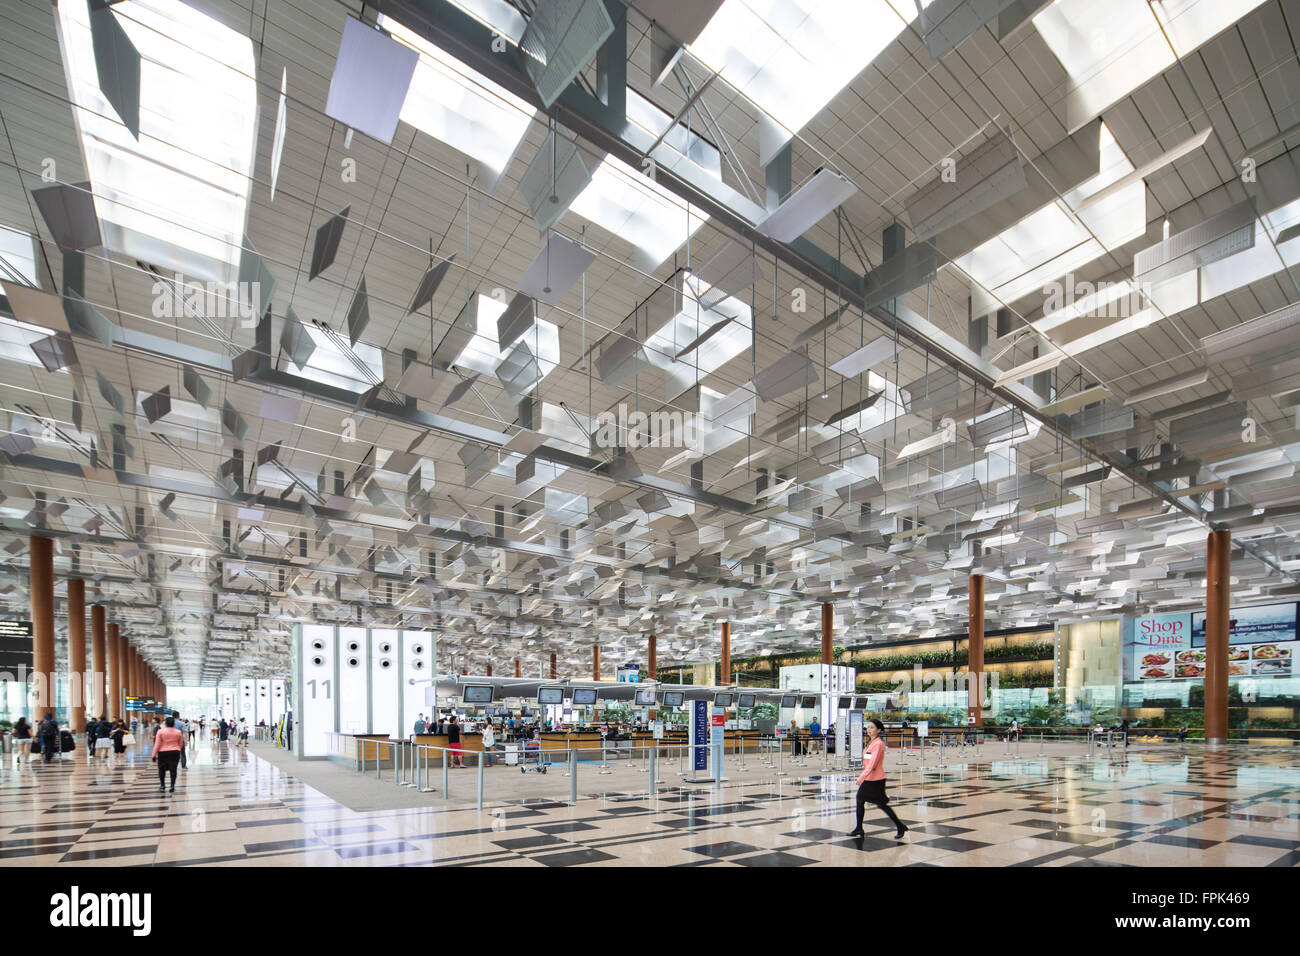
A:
553,667
489,670
975,651
97,668
1218,578
654,658
828,633
77,688
595,662
726,653
42,596
518,668
113,673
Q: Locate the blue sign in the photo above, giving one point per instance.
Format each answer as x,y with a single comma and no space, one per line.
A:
700,732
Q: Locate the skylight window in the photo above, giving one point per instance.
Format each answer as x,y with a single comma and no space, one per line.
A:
483,354
460,106
19,256
186,421
1052,241
639,210
1111,47
178,197
792,57
331,365
16,340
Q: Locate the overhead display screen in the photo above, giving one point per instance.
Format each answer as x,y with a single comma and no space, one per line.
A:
789,700
722,700
745,701
645,698
477,694
550,695
673,698
584,695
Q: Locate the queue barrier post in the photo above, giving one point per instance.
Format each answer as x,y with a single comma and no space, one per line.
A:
652,756
445,769
480,781
573,776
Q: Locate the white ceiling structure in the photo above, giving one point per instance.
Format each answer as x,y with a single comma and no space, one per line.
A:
1026,305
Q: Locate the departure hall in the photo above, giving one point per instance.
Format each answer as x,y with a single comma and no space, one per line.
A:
668,433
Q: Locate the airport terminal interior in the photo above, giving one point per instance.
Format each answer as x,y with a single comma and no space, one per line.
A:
762,433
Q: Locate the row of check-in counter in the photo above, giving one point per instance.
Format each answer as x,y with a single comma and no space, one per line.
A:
589,744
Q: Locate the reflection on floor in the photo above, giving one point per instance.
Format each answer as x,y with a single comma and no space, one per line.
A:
233,808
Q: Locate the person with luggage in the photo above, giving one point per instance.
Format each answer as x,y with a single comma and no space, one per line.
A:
23,742
871,782
48,731
180,725
168,745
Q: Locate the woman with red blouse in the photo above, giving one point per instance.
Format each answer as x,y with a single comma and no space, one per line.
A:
871,782
167,744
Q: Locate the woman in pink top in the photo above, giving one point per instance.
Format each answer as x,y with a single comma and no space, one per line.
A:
167,744
871,782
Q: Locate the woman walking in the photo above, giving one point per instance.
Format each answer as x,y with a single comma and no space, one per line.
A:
871,782
167,745
23,742
118,736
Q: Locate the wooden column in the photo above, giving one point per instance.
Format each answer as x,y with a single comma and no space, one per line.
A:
828,633
975,651
654,658
42,597
595,662
519,672
79,692
1218,580
726,654
489,670
98,670
553,672
113,673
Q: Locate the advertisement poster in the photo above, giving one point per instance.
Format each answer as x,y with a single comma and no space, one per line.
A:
1157,641
1264,624
700,733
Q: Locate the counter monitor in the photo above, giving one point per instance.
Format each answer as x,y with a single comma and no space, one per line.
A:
476,693
584,695
746,701
809,703
645,698
673,698
846,703
788,700
550,695
722,700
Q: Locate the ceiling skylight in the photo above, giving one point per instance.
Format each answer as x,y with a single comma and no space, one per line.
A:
483,354
1053,241
19,255
178,197
639,210
791,57
460,106
330,365
1111,47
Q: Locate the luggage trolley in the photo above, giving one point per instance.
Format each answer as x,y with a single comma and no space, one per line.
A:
533,758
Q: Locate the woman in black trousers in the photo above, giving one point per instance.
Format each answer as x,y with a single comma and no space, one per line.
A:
871,782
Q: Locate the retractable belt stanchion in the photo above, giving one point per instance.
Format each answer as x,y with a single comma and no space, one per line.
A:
653,769
573,776
480,781
1040,743
568,748
445,779
781,757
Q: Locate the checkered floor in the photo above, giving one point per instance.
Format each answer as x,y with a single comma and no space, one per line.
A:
233,808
